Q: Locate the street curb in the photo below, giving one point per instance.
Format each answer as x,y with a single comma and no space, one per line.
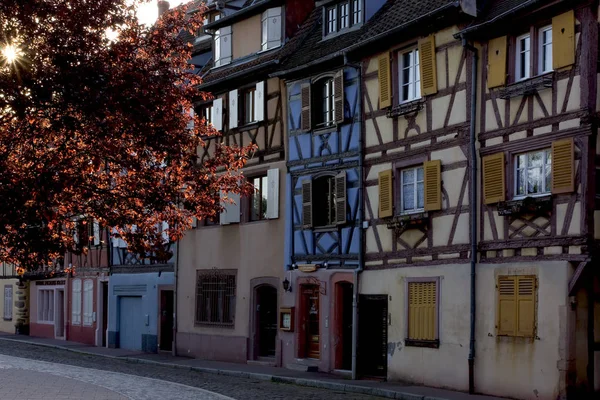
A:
314,383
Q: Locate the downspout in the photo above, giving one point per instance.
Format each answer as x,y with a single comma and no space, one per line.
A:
473,201
174,349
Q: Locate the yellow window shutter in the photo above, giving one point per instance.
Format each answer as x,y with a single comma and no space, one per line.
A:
497,62
493,178
563,40
432,185
422,309
526,306
427,65
386,201
506,312
385,81
563,168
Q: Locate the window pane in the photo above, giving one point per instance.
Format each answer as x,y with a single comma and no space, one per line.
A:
521,161
254,215
409,176
264,197
408,197
536,159
420,174
521,182
420,195
534,180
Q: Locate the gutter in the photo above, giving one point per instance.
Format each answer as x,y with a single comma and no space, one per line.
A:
496,18
236,15
238,74
176,270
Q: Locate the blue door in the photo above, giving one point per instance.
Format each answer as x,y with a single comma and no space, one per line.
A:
130,323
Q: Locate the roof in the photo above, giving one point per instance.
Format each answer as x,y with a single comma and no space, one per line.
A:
249,8
496,11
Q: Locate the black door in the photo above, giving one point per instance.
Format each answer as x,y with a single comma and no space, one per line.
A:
166,320
347,293
104,286
267,320
372,336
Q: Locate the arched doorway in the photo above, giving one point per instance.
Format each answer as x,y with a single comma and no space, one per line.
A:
266,320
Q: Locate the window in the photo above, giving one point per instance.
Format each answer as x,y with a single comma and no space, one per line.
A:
259,198
422,313
324,201
533,173
324,102
410,75
356,12
215,297
331,23
88,302
205,112
545,40
412,197
523,57
271,29
46,305
248,105
8,302
222,47
76,303
343,16
516,305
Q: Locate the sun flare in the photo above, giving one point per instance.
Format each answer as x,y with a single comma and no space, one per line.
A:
10,53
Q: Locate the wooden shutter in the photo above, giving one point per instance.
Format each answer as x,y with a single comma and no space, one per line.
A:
306,114
8,302
340,198
76,303
526,306
88,299
497,62
427,65
259,106
96,232
493,178
226,44
422,310
563,168
217,114
274,22
233,109
432,185
386,197
273,193
506,306
338,90
385,81
307,219
563,40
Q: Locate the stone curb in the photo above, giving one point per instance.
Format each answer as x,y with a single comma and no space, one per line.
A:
315,383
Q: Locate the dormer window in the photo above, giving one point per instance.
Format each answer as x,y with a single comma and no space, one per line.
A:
271,28
342,16
222,46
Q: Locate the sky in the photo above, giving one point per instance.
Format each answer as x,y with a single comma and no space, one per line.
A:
148,12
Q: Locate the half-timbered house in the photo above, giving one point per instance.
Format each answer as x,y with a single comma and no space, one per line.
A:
229,268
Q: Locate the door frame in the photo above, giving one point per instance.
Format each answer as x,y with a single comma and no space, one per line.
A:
384,298
337,311
160,289
255,284
63,311
100,282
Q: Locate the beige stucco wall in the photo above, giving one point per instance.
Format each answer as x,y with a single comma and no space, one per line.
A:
8,326
530,366
246,36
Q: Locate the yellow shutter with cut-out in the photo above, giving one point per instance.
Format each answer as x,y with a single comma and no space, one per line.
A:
385,81
422,309
493,178
506,312
563,166
386,202
563,40
427,65
497,62
525,301
432,185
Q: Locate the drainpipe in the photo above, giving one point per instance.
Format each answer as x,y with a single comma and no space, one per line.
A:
473,201
174,349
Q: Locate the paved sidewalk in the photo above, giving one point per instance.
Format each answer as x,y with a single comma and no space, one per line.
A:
392,390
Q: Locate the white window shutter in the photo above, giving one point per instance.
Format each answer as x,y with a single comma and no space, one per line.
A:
260,102
274,25
8,302
76,303
273,193
233,109
96,227
118,242
165,232
88,302
217,114
190,124
225,42
231,212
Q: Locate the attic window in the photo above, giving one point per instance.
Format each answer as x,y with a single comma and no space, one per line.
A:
342,16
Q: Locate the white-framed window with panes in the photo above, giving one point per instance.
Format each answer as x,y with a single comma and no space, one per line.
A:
343,15
412,195
533,173
523,59
45,303
410,75
545,51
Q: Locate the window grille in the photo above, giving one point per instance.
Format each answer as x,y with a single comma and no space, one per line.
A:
216,297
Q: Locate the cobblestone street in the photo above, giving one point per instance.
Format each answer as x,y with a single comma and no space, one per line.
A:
23,379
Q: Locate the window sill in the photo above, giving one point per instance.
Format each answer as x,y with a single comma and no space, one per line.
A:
332,35
322,130
249,125
408,221
7,319
327,228
213,325
527,86
432,344
413,106
528,205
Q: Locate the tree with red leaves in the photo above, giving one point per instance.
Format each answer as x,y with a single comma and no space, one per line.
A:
93,126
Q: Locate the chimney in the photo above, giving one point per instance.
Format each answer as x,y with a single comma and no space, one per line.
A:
163,6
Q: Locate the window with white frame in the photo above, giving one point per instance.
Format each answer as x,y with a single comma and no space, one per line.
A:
343,15
344,10
412,198
533,173
222,47
8,302
356,12
76,303
271,28
324,100
523,57
88,302
410,75
545,41
331,20
46,305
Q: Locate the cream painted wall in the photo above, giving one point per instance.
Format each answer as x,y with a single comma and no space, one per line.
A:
246,36
8,326
255,249
529,365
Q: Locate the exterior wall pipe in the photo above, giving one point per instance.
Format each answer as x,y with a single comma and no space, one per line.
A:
473,183
174,349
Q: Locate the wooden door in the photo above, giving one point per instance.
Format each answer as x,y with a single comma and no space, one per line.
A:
267,320
310,300
166,320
